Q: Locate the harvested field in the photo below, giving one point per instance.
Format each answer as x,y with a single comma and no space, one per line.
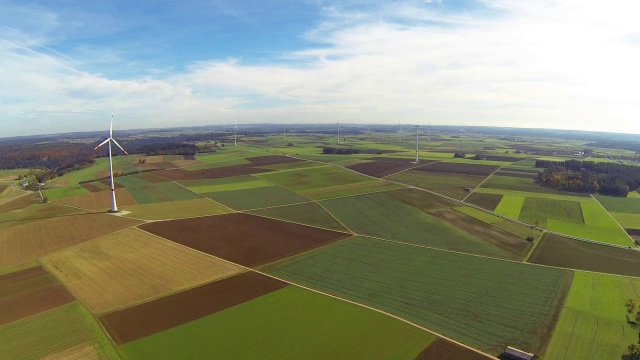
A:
271,160
486,232
176,210
202,174
260,197
452,185
381,215
20,203
63,330
460,168
243,239
93,187
28,292
486,201
574,254
442,349
28,242
381,168
131,266
290,323
3,188
33,213
99,200
307,213
481,302
422,199
152,317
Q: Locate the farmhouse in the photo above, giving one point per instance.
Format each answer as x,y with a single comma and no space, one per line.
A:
515,354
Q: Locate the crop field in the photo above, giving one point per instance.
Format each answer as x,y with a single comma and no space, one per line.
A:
19,202
628,221
485,217
422,199
480,302
161,314
302,181
460,168
225,184
536,211
574,254
486,201
452,185
99,200
66,332
381,215
594,215
307,213
521,184
28,292
260,197
446,350
628,205
592,323
519,230
481,229
201,174
131,266
514,174
176,210
33,213
30,241
19,267
382,168
290,323
243,239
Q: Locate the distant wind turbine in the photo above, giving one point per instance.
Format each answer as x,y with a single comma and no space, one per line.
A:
417,142
338,123
109,140
235,130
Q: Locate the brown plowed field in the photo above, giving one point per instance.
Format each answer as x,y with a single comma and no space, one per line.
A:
574,254
99,200
244,239
271,160
487,201
158,315
381,168
441,349
459,168
422,199
486,232
91,187
28,242
214,173
29,292
20,203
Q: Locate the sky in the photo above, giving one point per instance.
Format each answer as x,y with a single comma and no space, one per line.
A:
65,65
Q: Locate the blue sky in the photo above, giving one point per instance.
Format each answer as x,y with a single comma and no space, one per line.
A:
570,64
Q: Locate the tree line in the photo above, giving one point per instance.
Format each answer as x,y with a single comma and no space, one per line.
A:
57,158
588,176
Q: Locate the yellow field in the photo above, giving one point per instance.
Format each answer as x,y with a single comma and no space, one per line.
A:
79,352
131,266
99,200
176,210
28,242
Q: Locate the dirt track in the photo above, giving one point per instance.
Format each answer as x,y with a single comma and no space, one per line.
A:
244,239
158,315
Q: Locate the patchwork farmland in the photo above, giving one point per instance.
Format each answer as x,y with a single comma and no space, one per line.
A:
270,251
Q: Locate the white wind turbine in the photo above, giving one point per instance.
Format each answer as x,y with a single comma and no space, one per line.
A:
109,140
235,130
417,142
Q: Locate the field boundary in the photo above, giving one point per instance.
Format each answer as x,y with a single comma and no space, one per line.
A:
614,219
482,182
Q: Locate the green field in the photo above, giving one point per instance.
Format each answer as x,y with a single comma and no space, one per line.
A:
61,332
537,211
314,178
225,184
381,215
161,192
606,235
481,302
592,323
520,184
628,221
566,196
594,215
627,205
176,210
307,213
256,198
479,214
291,323
486,201
452,185
64,192
510,206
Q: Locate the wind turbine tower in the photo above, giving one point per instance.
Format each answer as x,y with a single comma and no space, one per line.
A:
338,123
417,143
235,131
109,140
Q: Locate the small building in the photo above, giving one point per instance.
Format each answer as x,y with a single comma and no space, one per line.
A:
512,353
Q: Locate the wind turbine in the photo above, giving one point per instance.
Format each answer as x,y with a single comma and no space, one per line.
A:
109,140
235,130
338,123
417,142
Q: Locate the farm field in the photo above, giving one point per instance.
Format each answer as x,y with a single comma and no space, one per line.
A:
131,266
446,350
176,210
537,211
308,213
259,197
574,254
382,168
460,168
201,174
30,241
486,201
244,239
520,184
225,184
33,213
381,215
422,199
161,314
592,323
628,221
302,181
160,192
332,192
452,185
424,286
99,200
628,205
68,331
28,292
287,323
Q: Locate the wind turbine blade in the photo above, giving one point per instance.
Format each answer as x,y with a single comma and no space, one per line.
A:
123,150
102,143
